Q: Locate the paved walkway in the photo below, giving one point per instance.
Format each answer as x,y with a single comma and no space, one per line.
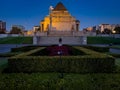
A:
112,50
7,47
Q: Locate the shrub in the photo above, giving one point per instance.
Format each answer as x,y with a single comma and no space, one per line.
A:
8,54
23,49
98,49
115,55
51,81
89,63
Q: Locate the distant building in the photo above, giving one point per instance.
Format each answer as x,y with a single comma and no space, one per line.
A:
110,27
2,27
36,28
102,27
59,19
90,29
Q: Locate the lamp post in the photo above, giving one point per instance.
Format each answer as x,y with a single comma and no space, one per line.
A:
60,68
60,54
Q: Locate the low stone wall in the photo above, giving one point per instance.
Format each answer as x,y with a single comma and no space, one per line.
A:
117,35
3,35
9,35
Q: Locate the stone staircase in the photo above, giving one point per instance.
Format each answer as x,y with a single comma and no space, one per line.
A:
60,33
69,40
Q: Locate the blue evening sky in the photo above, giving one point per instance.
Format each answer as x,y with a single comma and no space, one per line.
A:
30,12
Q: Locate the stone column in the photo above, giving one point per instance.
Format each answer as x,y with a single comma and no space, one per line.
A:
35,39
84,40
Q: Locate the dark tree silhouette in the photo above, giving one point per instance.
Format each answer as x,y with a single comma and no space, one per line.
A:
16,30
107,31
117,30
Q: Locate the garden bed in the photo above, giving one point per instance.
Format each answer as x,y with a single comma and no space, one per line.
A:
89,63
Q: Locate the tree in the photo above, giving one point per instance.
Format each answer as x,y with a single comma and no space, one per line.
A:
16,30
107,31
98,32
2,31
117,30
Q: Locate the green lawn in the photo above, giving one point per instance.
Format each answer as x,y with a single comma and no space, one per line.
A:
3,63
16,40
102,40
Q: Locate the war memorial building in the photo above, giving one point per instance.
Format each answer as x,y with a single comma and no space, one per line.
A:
59,19
59,24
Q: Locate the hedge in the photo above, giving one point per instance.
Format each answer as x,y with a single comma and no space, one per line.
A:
89,63
51,81
98,49
23,49
115,55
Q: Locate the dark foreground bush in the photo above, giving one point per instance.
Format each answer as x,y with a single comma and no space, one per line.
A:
69,64
89,63
51,81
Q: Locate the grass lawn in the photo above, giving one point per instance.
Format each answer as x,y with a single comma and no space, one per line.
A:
16,40
102,40
3,63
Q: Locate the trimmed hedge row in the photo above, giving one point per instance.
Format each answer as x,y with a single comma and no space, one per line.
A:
98,49
115,55
9,54
69,64
51,81
24,48
89,63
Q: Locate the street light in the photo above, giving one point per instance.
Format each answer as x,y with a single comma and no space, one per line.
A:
60,68
60,54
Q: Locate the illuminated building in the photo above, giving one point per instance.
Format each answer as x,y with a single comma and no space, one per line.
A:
59,19
2,27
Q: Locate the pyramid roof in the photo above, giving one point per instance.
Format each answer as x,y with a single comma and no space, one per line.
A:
60,7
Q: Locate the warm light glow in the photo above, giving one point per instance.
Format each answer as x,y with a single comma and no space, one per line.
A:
114,31
31,32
